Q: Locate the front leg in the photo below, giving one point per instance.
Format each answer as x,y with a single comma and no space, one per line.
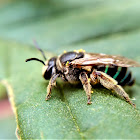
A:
110,83
86,85
52,83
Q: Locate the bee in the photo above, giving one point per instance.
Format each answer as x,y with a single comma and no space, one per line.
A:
111,71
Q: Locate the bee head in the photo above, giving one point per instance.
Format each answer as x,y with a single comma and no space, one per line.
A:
49,67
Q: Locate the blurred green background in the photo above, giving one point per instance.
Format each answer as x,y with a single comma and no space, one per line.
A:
100,26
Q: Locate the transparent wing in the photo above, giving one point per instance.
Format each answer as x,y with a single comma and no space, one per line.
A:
92,59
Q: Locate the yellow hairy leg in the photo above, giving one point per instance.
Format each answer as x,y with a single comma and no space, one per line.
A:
110,83
86,85
52,83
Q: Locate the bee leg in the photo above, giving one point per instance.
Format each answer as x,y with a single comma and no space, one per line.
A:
86,85
110,83
52,83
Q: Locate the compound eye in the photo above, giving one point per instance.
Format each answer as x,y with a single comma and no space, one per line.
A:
47,74
49,69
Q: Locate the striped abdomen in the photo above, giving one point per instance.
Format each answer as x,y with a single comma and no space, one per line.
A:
121,74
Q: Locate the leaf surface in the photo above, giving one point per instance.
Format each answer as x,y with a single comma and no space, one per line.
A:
102,27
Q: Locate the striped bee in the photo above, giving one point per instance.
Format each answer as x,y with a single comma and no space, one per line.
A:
111,71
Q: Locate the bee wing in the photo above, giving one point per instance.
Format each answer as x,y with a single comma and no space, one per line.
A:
94,59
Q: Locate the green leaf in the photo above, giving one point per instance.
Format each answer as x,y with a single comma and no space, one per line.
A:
104,27
66,114
56,24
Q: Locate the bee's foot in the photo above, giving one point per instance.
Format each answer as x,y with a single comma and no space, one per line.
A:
89,102
47,98
131,103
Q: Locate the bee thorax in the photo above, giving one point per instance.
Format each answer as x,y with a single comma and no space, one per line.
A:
72,75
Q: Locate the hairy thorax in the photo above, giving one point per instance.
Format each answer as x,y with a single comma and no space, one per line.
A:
72,75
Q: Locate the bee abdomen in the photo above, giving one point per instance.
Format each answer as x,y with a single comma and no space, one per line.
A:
121,74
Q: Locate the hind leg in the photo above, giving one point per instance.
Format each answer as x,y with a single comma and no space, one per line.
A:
110,83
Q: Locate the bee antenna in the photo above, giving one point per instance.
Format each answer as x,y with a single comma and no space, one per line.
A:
30,59
37,46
